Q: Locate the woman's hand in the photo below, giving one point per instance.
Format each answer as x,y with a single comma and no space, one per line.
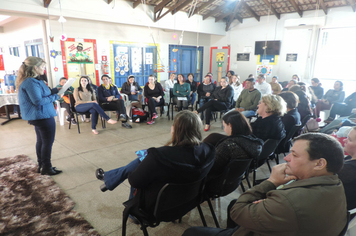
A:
109,99
177,92
133,93
207,94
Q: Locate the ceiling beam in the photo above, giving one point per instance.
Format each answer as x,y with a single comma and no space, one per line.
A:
269,5
135,3
217,9
296,7
158,10
248,8
234,15
230,13
183,4
202,6
322,5
352,4
109,1
46,3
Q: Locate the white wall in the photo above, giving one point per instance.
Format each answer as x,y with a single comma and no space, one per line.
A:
293,40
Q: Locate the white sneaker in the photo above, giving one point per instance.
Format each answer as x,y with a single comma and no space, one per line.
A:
137,120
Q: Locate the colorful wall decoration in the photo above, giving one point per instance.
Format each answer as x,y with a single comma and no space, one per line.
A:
264,70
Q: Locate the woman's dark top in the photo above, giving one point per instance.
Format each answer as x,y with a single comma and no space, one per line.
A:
103,93
348,177
304,105
318,91
234,147
334,96
193,85
270,127
156,92
203,89
224,95
126,88
290,119
170,165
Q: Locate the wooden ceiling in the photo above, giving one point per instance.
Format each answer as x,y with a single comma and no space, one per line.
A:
230,10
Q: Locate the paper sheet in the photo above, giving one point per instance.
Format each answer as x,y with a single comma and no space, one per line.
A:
67,85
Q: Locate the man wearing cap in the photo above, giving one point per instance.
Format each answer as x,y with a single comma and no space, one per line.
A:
263,86
301,197
248,99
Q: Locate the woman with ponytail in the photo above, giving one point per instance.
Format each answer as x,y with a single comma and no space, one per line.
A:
36,106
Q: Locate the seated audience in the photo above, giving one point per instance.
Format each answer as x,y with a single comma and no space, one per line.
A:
85,101
238,143
342,109
205,89
316,87
168,85
290,119
110,99
296,78
348,173
304,104
236,86
229,75
301,197
193,87
221,100
65,104
275,85
269,124
154,94
290,84
132,89
181,92
332,96
248,99
184,159
263,86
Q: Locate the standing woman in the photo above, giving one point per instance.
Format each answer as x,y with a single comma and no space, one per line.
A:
154,94
85,101
36,106
181,89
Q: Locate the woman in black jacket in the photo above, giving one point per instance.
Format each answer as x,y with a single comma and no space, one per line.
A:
269,124
132,89
154,94
184,159
193,87
221,100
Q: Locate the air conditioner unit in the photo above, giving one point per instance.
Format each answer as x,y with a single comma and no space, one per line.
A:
305,23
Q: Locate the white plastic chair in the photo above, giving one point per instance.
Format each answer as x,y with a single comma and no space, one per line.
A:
60,113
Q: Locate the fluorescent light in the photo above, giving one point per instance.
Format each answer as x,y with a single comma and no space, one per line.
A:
3,17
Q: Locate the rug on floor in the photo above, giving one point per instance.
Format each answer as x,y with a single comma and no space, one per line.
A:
33,204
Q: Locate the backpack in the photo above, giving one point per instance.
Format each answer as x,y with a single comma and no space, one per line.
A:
139,115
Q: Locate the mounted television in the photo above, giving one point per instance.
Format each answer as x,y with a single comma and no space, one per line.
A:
273,47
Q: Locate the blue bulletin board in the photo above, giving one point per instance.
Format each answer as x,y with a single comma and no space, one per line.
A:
132,59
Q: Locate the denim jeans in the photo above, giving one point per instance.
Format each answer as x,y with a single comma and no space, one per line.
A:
192,98
95,110
45,132
248,113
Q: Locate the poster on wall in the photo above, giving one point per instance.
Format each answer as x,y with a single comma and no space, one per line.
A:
291,57
272,59
219,61
264,70
79,58
243,57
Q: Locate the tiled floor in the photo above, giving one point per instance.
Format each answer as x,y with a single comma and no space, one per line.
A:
79,155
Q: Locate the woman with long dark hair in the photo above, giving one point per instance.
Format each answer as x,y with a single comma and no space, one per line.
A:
85,101
36,106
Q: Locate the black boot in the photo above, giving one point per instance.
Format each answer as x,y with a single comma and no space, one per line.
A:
50,171
99,173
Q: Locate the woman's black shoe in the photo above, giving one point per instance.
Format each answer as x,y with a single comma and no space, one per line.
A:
103,188
99,173
50,171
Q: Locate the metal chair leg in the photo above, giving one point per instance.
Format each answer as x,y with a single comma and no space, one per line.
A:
202,216
124,221
242,187
213,214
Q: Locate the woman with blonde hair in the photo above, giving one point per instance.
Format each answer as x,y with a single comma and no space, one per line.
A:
269,124
184,159
36,106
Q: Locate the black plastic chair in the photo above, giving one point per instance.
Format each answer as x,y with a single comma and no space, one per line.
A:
172,203
72,109
226,183
171,104
268,149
